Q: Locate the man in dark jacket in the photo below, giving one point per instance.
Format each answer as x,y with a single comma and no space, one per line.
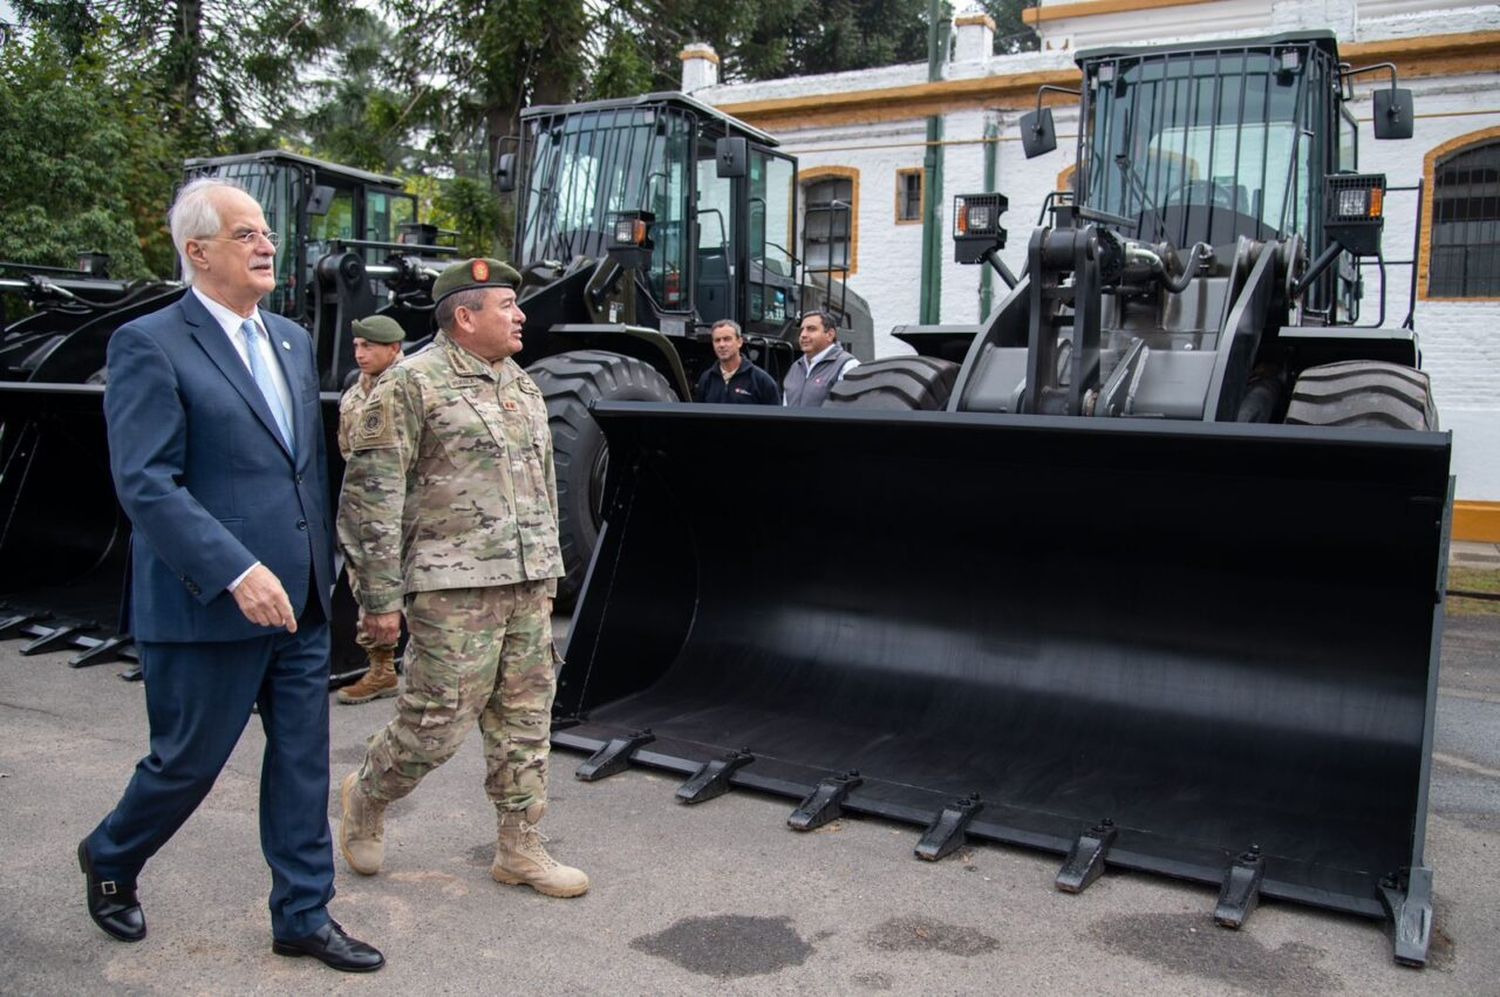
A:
734,379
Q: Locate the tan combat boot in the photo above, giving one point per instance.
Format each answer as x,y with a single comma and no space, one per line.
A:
377,683
362,831
520,858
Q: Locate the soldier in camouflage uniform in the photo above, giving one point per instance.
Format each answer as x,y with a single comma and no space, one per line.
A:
449,511
377,345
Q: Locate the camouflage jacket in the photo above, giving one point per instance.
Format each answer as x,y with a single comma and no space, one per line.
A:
350,405
450,481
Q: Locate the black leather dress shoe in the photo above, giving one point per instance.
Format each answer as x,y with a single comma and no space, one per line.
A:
112,905
334,948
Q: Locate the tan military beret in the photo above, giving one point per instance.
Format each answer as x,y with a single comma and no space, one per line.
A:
466,275
378,329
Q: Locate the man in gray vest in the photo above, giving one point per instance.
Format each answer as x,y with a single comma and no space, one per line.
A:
822,364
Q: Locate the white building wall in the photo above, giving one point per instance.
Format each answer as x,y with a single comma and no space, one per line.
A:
1460,341
888,256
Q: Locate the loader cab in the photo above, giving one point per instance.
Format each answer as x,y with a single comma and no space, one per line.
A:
1187,144
315,207
1206,146
714,246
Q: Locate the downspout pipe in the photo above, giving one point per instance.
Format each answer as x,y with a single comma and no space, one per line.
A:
932,231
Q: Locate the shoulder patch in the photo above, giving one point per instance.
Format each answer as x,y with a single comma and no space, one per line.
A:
376,429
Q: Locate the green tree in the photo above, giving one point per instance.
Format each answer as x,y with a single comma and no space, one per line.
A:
1011,33
356,116
220,69
471,208
623,67
75,154
470,66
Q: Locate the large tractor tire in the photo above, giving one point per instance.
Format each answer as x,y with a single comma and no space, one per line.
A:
571,382
897,384
1363,393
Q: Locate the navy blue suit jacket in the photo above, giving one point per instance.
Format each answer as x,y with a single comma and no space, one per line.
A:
205,477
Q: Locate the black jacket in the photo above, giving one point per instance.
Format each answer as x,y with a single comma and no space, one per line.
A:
749,386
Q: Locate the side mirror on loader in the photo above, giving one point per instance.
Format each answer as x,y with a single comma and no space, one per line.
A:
1038,135
1393,113
320,200
505,173
1393,107
732,157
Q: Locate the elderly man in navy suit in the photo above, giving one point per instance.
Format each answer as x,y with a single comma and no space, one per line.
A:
216,445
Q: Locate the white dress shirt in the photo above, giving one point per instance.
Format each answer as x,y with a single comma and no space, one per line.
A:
230,323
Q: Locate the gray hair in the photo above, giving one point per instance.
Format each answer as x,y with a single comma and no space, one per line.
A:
194,216
727,323
471,298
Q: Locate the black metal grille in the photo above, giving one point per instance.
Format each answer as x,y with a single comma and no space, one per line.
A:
828,228
1465,244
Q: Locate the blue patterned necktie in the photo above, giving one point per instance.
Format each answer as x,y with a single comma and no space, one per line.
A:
266,383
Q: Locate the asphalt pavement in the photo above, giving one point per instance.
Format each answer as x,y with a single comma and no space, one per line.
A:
720,895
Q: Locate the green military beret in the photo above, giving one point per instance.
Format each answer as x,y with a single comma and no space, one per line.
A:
469,274
378,329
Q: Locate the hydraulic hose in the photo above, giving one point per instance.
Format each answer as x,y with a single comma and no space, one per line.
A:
1200,252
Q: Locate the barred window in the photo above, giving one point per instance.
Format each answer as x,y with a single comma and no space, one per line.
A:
1465,247
829,227
908,195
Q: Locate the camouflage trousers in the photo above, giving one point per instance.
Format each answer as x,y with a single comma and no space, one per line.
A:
479,654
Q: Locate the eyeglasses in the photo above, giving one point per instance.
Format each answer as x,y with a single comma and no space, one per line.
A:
247,237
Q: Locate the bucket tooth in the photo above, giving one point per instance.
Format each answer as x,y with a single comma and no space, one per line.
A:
825,802
712,778
98,652
946,832
1085,861
1241,890
14,624
1408,899
614,757
54,637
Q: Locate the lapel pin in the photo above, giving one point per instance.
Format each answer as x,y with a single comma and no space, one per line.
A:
285,345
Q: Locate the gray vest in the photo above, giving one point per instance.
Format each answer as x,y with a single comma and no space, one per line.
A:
811,390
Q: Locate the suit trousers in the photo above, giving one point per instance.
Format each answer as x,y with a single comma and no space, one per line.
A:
198,701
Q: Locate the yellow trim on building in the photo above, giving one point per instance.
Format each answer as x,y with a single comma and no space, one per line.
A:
850,173
699,52
968,19
1476,521
920,100
1434,55
1057,12
1429,176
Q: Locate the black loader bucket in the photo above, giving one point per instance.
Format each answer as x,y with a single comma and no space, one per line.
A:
63,537
65,541
1207,651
